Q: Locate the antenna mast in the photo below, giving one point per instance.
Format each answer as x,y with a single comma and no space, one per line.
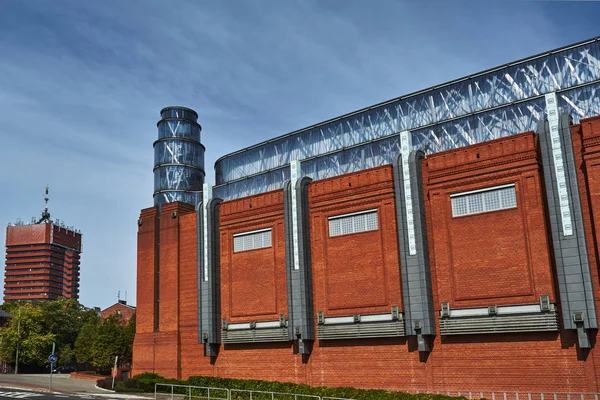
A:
45,214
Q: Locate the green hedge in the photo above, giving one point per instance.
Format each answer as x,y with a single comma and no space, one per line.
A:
145,383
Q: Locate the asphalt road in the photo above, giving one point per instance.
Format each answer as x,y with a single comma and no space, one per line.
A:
36,387
33,395
60,383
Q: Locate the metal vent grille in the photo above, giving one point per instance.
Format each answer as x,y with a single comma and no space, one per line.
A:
547,321
361,330
255,335
252,240
353,223
491,199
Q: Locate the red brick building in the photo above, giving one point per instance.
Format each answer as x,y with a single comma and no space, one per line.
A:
42,262
456,270
120,308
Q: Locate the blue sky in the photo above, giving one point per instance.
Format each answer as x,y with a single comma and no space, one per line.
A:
82,84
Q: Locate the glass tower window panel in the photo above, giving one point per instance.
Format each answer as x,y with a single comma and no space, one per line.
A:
534,77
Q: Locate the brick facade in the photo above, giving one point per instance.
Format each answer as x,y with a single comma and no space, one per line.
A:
42,262
497,258
121,308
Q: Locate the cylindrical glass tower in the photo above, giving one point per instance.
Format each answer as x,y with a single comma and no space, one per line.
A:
178,157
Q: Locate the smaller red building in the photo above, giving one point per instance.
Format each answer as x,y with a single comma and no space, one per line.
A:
120,308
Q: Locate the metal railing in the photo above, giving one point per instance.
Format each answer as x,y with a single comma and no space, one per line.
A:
167,390
239,394
506,395
163,391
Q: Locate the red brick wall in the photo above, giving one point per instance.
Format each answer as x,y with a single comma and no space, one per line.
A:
125,311
491,258
470,257
66,237
143,346
358,273
253,282
27,234
586,143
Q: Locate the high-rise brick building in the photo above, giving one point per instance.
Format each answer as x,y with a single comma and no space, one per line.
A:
443,240
42,260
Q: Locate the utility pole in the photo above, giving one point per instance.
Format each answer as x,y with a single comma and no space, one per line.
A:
18,340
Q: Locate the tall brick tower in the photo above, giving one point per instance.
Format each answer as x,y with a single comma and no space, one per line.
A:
42,260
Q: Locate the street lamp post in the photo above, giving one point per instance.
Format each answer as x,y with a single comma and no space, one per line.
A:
18,340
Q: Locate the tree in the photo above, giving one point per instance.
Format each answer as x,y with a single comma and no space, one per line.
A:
34,326
127,357
85,341
27,332
66,355
79,334
110,341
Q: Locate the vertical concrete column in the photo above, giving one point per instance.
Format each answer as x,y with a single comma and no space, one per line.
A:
412,243
566,223
298,264
209,273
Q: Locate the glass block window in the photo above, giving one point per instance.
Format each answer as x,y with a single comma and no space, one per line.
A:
484,200
252,240
353,223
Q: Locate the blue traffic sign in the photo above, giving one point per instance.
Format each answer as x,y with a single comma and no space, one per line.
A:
52,358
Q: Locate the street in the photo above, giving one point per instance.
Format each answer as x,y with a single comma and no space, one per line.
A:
23,394
63,387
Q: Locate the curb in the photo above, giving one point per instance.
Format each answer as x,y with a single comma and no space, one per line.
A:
107,390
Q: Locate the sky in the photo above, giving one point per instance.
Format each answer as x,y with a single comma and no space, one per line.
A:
82,84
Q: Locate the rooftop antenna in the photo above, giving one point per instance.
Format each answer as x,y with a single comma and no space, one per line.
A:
118,296
45,214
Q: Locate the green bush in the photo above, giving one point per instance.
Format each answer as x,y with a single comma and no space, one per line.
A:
145,383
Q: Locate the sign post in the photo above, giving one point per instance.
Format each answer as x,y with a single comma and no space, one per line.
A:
114,374
52,358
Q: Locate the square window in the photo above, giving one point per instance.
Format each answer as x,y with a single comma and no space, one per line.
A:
492,200
475,202
459,206
509,197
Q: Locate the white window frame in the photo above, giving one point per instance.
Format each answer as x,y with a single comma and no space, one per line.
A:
350,215
484,209
252,233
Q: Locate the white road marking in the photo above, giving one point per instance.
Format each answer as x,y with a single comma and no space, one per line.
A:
19,395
